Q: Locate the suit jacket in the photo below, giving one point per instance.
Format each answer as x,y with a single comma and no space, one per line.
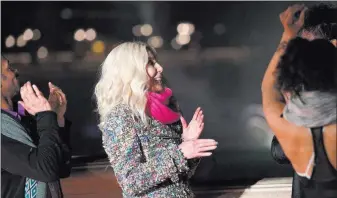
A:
47,163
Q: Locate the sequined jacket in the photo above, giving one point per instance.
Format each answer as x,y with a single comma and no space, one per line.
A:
146,160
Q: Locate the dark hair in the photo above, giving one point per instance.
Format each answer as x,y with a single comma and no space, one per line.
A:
321,20
307,66
152,51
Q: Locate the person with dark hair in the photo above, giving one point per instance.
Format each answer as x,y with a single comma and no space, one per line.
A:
320,22
305,74
35,150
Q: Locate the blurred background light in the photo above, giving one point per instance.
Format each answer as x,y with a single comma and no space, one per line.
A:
175,45
66,13
28,34
90,35
219,28
20,42
146,30
185,28
98,47
79,35
42,52
183,39
10,41
36,35
155,41
136,30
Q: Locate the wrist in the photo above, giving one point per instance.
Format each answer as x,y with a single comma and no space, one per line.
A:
188,139
60,121
284,42
286,37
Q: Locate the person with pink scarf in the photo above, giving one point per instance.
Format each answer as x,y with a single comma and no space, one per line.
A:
152,149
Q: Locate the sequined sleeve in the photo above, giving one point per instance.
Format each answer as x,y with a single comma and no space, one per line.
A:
135,173
193,165
184,166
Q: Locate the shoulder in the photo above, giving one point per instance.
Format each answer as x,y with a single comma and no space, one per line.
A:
121,110
12,147
7,141
118,119
290,136
282,128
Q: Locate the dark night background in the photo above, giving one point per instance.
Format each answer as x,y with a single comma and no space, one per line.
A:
221,72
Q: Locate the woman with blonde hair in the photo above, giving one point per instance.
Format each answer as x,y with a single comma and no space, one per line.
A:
150,146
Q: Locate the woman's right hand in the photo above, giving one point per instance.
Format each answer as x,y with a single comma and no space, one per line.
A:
292,19
198,148
193,130
33,100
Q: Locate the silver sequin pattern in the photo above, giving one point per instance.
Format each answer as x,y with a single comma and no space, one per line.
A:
146,160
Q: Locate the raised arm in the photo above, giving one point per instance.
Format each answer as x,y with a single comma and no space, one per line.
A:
272,106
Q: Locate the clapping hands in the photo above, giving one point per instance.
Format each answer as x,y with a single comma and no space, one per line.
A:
33,100
192,146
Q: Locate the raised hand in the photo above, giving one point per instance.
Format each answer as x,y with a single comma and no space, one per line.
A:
33,100
193,130
198,148
292,19
57,100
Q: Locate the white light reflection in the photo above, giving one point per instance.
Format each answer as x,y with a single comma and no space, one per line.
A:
155,41
42,52
183,39
79,35
10,41
20,42
90,35
185,28
146,30
28,34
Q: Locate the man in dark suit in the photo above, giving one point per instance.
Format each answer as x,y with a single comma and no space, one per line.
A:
35,150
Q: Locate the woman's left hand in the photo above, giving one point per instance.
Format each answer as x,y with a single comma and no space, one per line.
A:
58,102
193,130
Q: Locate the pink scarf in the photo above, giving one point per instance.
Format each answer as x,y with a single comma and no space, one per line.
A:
158,109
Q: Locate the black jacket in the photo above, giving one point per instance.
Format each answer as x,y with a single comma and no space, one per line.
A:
48,162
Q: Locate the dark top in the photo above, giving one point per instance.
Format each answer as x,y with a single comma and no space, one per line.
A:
280,157
47,163
323,181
